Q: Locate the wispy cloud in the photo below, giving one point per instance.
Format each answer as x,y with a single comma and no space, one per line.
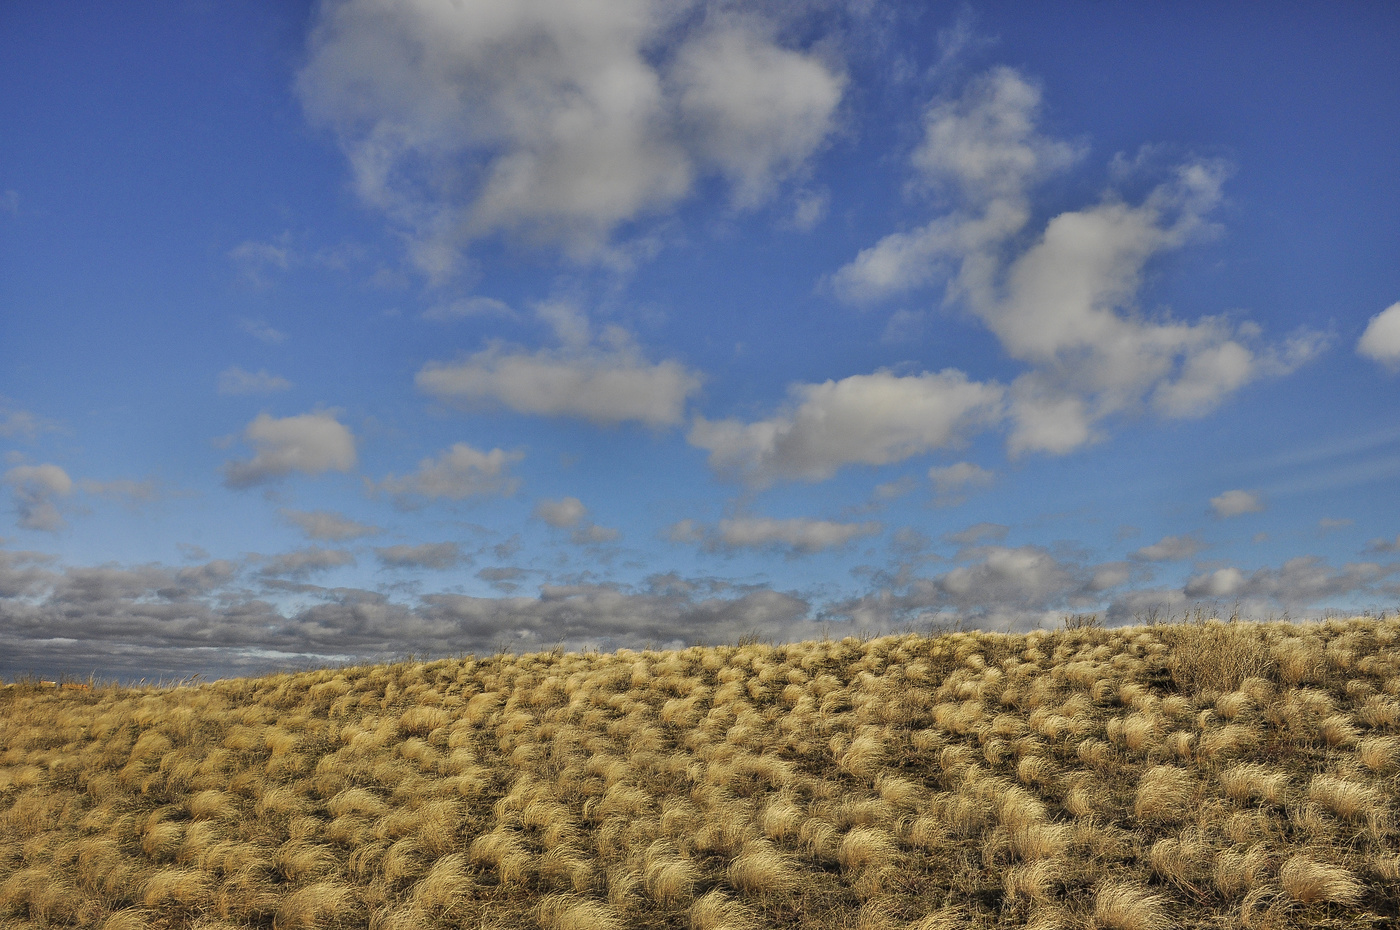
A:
796,535
437,556
234,381
36,490
327,525
262,332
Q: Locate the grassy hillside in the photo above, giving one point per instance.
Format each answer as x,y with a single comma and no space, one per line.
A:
1186,775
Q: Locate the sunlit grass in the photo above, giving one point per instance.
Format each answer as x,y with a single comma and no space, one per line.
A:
1195,774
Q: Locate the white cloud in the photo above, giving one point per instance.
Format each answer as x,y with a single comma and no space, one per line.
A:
262,332
752,109
864,419
608,383
438,556
324,524
35,489
554,120
1235,503
1223,582
236,381
950,481
311,443
562,514
1170,549
1065,304
1381,340
458,473
568,513
987,141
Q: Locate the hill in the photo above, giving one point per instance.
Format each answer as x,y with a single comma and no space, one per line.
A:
1201,774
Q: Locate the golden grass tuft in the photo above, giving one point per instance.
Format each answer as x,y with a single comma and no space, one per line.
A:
575,912
1128,905
1252,781
1165,794
715,910
314,905
761,869
1308,881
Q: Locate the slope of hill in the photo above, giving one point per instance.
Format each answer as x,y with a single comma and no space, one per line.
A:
1201,774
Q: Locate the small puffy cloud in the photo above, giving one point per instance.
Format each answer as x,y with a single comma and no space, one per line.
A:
327,525
311,443
568,513
457,474
562,514
987,142
439,556
684,531
557,122
304,562
606,381
1170,549
1223,582
796,535
261,331
36,489
864,419
951,481
1381,544
234,381
1234,503
1381,340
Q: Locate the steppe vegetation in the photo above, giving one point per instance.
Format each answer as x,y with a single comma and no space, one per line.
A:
1176,775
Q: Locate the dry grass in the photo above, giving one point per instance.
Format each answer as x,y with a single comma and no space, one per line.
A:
1203,774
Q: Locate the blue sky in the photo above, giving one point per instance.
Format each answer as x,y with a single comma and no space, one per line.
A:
346,330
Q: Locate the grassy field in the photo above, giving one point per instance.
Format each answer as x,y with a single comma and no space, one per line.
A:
1197,774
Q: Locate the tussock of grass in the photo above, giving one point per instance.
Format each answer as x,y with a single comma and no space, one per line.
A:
1200,774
